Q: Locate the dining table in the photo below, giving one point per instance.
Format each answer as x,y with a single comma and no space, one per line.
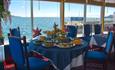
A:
63,58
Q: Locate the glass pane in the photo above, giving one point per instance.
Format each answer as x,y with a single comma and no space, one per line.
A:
46,14
109,17
93,15
20,11
74,14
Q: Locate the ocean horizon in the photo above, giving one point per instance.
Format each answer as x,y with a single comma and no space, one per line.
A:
44,23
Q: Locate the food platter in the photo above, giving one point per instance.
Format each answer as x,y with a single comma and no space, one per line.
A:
64,45
71,44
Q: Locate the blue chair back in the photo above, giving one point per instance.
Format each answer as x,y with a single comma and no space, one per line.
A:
87,29
109,43
72,31
15,32
97,28
16,50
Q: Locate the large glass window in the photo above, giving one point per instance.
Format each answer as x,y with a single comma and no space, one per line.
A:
46,14
109,17
74,14
20,16
93,15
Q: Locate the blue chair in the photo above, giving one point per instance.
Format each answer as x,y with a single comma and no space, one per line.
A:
72,31
15,32
101,56
87,32
97,29
114,44
21,58
87,29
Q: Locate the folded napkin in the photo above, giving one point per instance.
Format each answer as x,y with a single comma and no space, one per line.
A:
92,42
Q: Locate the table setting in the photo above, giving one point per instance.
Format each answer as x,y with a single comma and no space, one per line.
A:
56,38
59,53
56,46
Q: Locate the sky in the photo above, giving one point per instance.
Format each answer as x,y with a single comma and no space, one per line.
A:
52,9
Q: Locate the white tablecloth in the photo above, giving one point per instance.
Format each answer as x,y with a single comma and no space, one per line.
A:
93,41
78,61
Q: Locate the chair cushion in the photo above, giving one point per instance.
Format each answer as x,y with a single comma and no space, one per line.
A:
101,56
37,64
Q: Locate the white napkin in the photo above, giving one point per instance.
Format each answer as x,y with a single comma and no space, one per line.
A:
104,45
37,37
92,41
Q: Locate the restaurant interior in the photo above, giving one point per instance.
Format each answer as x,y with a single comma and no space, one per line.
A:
57,35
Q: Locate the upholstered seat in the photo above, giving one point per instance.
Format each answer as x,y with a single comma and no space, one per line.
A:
101,56
22,59
36,63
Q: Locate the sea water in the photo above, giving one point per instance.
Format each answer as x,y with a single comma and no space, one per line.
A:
44,23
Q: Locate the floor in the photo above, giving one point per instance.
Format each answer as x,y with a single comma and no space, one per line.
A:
92,66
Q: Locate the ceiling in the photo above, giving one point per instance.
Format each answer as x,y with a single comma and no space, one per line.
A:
110,3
